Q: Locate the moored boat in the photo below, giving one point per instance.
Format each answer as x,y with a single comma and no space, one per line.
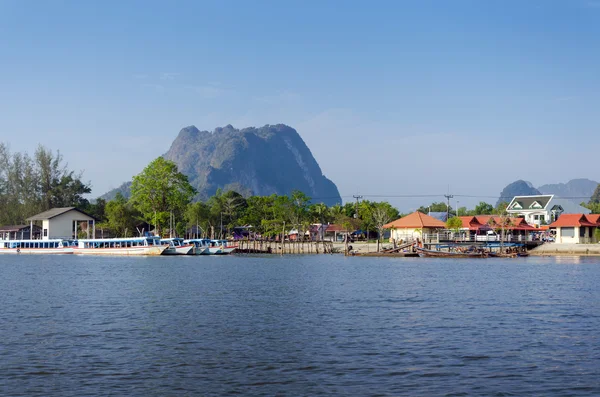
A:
449,254
221,247
176,246
201,246
54,246
120,246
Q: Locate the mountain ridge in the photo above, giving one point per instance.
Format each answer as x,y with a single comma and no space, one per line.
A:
253,161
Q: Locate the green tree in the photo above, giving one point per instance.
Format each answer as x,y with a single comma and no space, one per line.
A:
121,217
382,214
198,214
454,224
159,190
484,208
434,207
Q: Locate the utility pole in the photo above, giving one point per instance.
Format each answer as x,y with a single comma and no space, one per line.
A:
356,208
448,197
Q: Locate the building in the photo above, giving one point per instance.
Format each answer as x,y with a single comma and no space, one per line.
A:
542,209
413,226
67,222
19,232
576,228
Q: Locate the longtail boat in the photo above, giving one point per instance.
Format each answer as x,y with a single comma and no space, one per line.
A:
447,254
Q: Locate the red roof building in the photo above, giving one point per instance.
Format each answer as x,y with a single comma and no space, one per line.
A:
414,226
576,228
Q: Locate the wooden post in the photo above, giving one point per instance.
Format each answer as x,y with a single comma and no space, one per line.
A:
283,239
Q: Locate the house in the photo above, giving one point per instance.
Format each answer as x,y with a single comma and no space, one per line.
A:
542,209
335,232
19,232
576,228
65,222
413,226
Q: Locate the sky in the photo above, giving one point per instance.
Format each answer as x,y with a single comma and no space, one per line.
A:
395,99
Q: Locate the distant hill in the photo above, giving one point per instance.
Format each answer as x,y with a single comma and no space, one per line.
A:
576,190
251,161
517,188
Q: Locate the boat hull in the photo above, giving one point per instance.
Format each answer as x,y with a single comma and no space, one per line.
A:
184,250
38,251
425,253
143,250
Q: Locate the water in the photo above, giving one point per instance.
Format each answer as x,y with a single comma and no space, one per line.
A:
304,325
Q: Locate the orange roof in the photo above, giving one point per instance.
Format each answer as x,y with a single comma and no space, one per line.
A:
471,223
416,220
593,218
572,220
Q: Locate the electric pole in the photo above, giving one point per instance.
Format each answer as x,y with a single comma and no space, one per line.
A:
448,197
356,208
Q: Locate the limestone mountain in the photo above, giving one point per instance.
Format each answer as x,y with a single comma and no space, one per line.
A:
577,190
251,161
517,188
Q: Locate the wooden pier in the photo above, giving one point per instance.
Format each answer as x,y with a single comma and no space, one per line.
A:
284,248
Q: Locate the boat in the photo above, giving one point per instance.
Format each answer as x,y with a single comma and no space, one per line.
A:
448,254
221,247
502,255
53,246
149,245
201,246
176,246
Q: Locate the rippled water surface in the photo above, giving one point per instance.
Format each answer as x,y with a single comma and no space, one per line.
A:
299,325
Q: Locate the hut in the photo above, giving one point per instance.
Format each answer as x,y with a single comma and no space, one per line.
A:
414,226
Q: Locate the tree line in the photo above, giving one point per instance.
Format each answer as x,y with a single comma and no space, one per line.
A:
33,184
162,199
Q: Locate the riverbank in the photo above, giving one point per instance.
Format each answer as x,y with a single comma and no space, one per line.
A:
557,249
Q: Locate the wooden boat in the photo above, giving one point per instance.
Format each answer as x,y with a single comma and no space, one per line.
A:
120,246
53,246
501,255
447,254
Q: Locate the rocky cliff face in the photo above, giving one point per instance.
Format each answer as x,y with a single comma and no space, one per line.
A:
576,190
251,161
517,188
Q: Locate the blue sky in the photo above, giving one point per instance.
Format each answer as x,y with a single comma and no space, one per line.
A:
393,98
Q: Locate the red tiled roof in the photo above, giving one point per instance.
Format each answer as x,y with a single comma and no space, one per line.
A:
416,220
593,218
572,220
471,223
513,223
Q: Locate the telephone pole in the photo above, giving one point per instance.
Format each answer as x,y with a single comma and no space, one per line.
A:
356,208
448,197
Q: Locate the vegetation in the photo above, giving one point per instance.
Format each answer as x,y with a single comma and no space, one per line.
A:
160,192
29,185
454,224
161,196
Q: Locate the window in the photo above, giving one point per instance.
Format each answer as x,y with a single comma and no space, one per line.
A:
45,232
567,232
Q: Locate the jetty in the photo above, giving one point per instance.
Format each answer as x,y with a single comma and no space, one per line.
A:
286,247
